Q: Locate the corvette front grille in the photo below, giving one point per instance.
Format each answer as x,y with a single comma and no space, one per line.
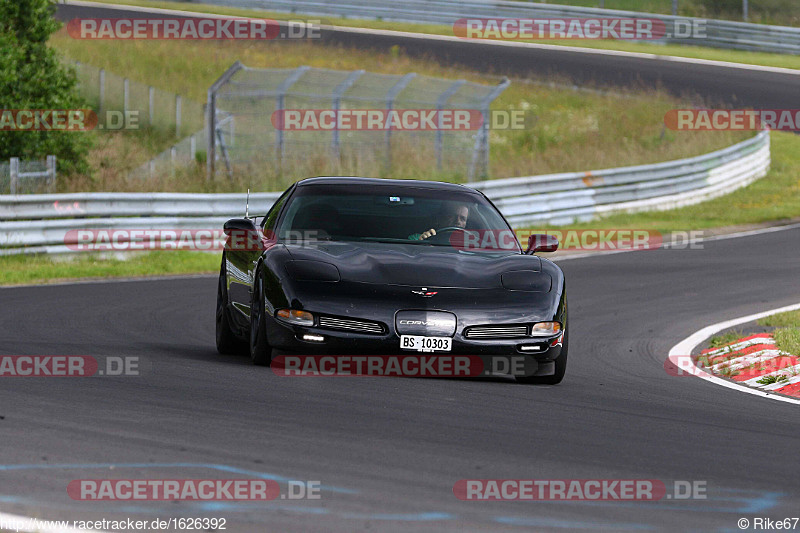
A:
350,324
496,332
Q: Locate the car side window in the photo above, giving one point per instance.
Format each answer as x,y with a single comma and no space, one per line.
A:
272,216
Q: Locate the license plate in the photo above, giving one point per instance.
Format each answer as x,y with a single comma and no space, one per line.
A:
420,343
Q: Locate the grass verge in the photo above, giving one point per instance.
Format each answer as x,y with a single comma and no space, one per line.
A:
775,197
787,336
567,129
695,52
39,270
718,341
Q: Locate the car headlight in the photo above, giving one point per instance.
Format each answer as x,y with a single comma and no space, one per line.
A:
295,316
545,329
304,270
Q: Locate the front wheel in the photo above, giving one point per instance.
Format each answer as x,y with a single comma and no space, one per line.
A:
227,342
260,350
558,375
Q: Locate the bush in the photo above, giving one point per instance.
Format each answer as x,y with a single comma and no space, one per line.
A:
32,77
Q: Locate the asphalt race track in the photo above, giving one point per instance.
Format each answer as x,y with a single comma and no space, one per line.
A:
387,451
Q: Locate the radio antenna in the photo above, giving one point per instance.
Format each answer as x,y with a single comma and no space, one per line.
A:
247,205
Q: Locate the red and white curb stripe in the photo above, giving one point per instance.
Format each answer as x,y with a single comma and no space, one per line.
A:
749,347
752,359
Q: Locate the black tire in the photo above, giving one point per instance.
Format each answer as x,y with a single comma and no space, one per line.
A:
260,350
561,368
227,342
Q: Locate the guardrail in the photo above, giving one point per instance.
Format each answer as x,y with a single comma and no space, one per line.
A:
562,198
41,223
718,33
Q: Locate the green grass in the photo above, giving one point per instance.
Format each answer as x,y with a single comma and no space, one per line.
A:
775,197
40,269
787,336
718,341
696,52
769,380
788,340
568,129
790,319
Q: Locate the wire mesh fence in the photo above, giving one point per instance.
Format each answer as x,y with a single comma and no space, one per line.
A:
28,177
247,125
152,107
188,152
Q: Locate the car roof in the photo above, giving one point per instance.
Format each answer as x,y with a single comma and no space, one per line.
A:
354,180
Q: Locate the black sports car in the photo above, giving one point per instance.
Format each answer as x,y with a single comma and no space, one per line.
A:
345,265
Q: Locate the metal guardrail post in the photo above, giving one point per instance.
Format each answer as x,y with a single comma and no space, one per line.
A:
13,174
126,92
225,157
151,100
102,88
391,95
51,169
280,102
440,103
338,92
178,103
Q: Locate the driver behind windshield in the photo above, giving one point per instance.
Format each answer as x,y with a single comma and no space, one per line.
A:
451,216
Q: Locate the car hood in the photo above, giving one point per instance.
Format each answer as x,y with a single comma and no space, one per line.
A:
415,265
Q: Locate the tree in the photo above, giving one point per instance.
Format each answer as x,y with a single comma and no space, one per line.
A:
32,77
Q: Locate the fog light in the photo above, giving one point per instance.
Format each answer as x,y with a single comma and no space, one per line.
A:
530,348
313,338
545,329
296,317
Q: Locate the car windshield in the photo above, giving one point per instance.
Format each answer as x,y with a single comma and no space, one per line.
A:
396,215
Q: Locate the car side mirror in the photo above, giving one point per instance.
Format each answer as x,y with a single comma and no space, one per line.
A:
541,242
238,224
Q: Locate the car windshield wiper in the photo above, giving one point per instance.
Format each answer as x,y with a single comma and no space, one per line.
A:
389,240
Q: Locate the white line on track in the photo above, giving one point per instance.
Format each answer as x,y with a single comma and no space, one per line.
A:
687,345
110,280
748,233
